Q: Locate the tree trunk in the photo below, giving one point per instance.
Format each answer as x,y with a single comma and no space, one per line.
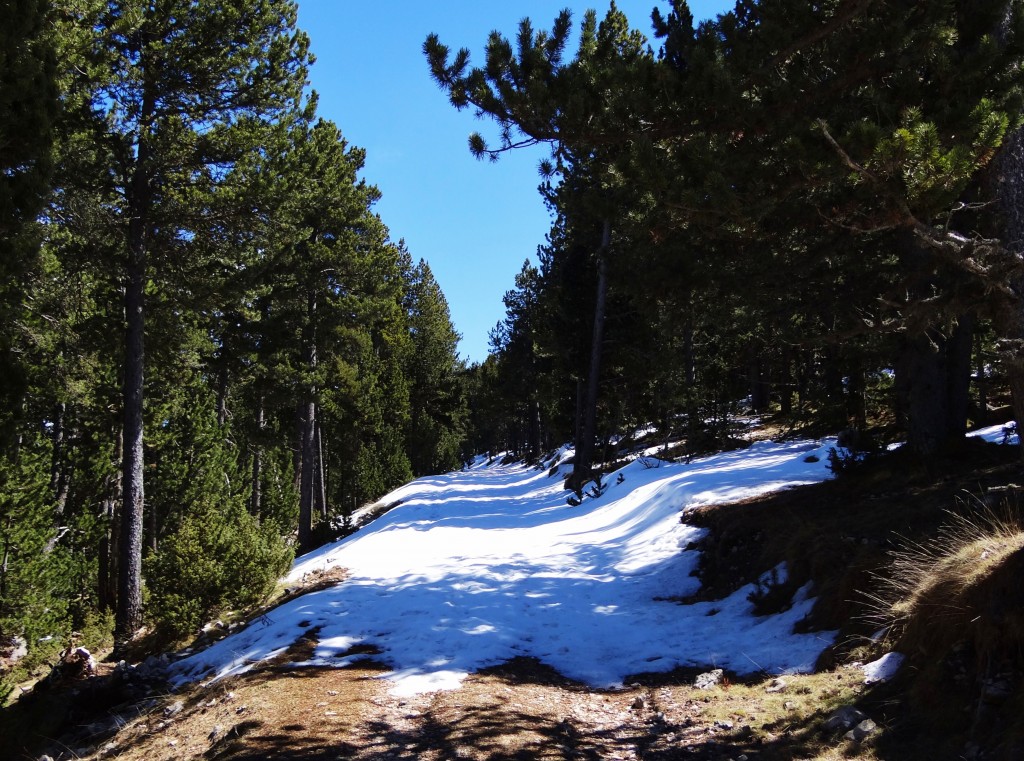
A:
936,378
535,430
257,463
58,465
585,447
308,444
1010,194
128,617
759,387
321,473
107,572
222,394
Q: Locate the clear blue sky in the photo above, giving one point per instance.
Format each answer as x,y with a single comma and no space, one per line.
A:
475,222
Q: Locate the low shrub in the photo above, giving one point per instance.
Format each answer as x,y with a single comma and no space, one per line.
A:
214,561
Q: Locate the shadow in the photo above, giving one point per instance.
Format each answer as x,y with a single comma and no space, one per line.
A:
495,732
583,590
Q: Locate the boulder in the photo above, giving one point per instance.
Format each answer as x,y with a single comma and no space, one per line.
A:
709,679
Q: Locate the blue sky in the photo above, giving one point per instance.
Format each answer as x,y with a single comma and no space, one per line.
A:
475,222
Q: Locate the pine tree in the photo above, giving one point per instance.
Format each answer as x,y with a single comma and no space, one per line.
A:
435,401
188,89
582,109
28,109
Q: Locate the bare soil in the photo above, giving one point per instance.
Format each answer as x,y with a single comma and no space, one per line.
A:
521,710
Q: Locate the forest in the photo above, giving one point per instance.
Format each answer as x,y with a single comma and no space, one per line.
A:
212,350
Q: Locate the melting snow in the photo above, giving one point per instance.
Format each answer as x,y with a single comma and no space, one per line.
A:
479,566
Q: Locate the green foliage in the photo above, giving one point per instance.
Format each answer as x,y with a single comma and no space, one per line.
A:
36,580
219,557
790,185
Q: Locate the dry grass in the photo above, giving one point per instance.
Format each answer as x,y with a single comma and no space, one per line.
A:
934,591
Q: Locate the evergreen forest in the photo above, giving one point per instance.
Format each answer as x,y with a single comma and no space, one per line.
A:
213,350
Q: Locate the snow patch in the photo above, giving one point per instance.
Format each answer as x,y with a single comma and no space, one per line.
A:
479,566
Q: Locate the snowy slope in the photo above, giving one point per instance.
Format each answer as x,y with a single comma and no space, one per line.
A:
479,566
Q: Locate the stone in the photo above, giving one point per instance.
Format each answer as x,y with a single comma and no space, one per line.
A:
776,685
860,732
843,719
638,703
216,732
709,679
174,709
76,663
18,649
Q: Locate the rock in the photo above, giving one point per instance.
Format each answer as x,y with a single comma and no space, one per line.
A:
638,703
709,679
861,731
843,719
15,649
777,685
76,663
174,709
724,725
216,733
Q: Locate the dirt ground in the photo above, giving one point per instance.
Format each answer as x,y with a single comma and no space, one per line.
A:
521,710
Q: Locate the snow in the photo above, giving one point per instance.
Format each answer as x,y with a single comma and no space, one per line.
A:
482,565
1003,433
883,669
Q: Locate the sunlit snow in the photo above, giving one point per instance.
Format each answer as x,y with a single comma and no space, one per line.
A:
479,566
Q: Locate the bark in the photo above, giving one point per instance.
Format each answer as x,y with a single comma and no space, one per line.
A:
535,430
58,466
257,463
759,387
856,404
6,558
222,395
1011,322
936,377
321,473
585,446
107,571
786,395
308,443
128,617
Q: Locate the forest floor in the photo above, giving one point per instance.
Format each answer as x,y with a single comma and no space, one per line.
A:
839,533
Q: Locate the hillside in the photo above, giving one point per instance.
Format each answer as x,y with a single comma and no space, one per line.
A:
483,617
